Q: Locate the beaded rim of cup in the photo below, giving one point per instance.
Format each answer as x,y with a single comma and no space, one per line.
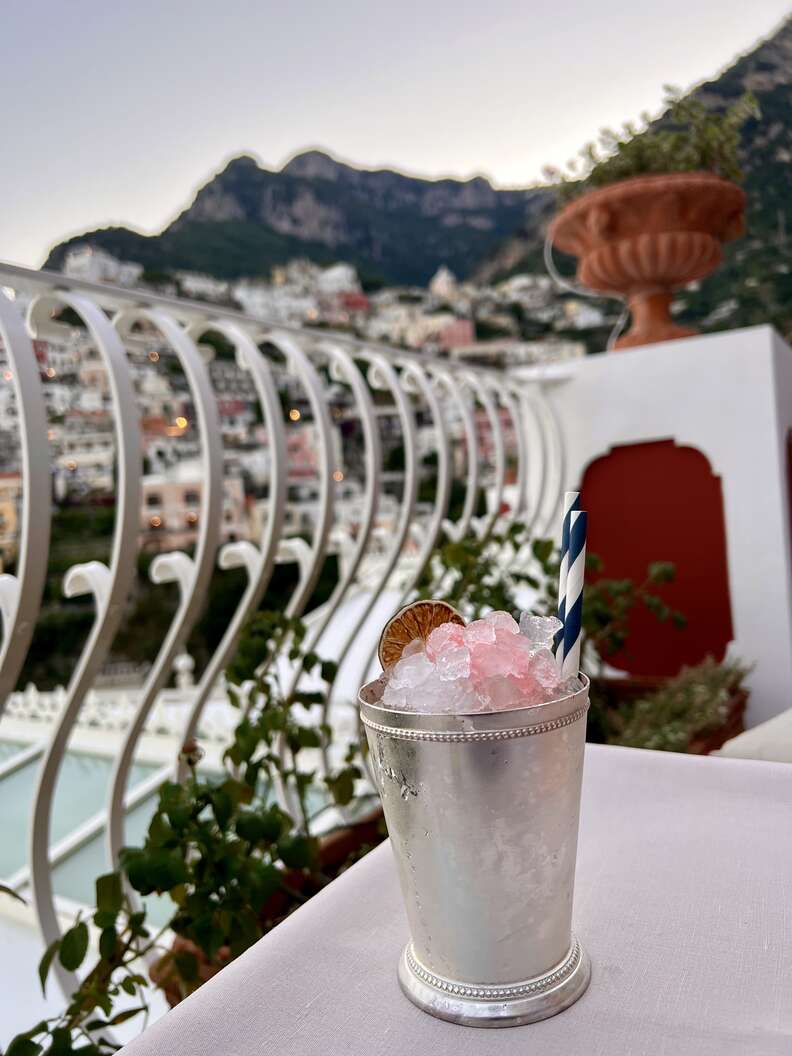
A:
483,992
476,735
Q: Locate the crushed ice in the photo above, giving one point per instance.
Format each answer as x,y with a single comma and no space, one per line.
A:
492,664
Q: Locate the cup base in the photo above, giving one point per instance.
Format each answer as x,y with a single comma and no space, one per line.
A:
496,1006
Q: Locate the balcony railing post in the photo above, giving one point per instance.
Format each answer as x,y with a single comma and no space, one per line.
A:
192,574
20,594
110,587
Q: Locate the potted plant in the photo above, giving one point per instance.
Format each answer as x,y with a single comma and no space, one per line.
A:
696,712
654,208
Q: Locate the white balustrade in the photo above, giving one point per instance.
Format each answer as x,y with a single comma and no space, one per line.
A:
383,547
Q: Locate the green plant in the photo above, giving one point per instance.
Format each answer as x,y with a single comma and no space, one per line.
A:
689,138
463,572
221,847
608,604
230,858
691,705
467,575
115,977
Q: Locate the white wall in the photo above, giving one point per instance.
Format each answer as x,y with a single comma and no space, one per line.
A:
730,396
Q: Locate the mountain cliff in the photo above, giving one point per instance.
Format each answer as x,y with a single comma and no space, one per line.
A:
396,228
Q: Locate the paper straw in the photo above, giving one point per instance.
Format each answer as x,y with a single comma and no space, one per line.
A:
574,595
571,503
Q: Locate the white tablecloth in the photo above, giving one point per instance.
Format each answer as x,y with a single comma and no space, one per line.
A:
683,900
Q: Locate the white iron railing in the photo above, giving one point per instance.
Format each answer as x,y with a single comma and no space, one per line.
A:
380,563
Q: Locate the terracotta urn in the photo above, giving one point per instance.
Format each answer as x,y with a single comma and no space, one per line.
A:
642,238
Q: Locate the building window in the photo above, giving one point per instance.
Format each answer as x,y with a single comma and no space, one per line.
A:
153,499
191,498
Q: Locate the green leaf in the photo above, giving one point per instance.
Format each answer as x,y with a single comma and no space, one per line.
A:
127,1013
158,869
262,827
208,935
187,965
265,881
46,962
275,823
109,893
61,1044
74,946
657,606
135,863
105,1003
342,785
310,661
542,550
244,931
309,699
237,790
22,1046
128,986
160,834
661,572
104,919
250,826
329,671
222,806
308,737
296,852
107,943
252,771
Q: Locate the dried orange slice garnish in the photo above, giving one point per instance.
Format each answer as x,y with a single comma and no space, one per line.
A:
417,620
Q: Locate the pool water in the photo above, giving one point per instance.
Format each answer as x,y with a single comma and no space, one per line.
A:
8,749
80,793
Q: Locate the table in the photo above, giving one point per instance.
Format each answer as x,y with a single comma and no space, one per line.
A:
683,900
771,740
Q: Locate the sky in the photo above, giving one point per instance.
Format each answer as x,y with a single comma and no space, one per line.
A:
117,112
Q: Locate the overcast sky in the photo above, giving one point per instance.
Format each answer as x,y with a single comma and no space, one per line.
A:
114,112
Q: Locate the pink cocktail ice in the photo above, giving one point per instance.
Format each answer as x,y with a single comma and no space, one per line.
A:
492,664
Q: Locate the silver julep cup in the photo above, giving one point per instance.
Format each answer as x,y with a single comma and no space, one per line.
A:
482,812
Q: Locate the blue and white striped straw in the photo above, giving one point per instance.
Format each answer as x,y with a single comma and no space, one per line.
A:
571,503
574,595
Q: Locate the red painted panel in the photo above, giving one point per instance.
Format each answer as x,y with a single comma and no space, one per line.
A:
659,502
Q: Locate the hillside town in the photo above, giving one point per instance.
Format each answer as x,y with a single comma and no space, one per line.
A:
523,319
461,321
